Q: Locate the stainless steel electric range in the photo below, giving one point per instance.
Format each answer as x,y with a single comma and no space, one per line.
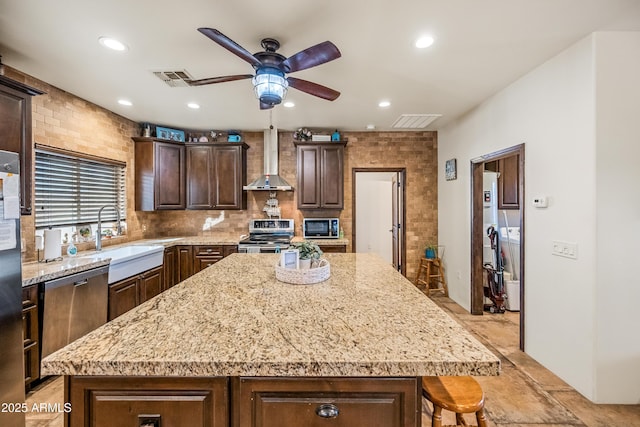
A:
267,235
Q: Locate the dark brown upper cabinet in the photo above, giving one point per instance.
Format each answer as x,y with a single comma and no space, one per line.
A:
320,169
215,176
509,182
160,174
16,132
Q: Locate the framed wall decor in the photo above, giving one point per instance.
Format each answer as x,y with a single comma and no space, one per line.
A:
450,171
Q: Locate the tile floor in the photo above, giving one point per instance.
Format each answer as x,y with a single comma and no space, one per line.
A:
524,395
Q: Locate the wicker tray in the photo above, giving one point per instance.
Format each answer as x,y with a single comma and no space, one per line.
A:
307,276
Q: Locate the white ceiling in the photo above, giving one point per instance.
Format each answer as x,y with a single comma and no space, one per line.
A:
481,46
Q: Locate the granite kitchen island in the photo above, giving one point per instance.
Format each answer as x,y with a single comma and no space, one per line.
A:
234,346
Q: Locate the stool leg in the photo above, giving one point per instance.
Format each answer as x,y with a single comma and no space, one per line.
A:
444,281
482,421
436,418
428,278
460,421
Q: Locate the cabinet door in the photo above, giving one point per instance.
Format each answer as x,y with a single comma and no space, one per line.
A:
185,263
169,176
338,402
30,333
200,170
15,136
123,296
332,177
308,163
509,182
229,177
169,262
150,284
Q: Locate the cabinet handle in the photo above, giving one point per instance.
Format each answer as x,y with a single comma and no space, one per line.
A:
327,410
209,250
81,282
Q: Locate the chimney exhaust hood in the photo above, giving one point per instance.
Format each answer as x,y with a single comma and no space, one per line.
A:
274,181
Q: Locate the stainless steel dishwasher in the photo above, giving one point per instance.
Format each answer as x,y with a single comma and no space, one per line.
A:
74,305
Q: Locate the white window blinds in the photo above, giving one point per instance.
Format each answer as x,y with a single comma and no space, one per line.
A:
70,188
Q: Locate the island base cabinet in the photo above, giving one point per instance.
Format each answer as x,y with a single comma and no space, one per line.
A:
320,402
140,401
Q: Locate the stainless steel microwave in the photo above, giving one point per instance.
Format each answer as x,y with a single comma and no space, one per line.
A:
321,228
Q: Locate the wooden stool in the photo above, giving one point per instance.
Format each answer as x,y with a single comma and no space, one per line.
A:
462,395
433,272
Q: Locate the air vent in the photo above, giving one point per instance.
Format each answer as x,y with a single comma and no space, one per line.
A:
174,78
414,121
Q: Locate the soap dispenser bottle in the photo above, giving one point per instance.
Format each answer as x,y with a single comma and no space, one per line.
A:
335,136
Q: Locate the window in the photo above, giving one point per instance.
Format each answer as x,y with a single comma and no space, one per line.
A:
70,188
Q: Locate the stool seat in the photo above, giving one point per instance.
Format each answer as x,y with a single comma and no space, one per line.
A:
433,272
462,395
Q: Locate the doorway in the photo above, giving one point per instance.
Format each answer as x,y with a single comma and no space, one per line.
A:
509,165
378,213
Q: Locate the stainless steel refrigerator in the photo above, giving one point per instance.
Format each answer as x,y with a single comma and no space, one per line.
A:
11,338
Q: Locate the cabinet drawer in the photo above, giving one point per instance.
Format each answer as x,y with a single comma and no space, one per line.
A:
208,251
193,402
338,402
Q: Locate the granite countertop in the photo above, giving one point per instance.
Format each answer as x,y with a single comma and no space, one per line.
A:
37,272
235,319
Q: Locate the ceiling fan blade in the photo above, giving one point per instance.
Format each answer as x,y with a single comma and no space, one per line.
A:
230,45
265,106
313,88
220,79
310,57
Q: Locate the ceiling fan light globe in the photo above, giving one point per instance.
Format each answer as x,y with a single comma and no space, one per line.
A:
270,85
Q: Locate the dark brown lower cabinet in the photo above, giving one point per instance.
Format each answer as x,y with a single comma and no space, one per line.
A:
30,332
204,256
150,284
144,401
169,266
250,402
123,296
338,402
128,293
184,264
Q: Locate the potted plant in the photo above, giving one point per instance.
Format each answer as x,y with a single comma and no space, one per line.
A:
309,252
431,251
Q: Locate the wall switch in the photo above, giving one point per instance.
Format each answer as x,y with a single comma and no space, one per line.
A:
565,249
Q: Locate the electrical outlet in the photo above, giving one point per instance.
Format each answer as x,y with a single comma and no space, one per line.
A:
144,228
565,249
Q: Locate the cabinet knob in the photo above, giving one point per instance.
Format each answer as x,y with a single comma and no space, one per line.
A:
327,410
209,250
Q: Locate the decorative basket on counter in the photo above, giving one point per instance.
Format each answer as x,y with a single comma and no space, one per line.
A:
306,276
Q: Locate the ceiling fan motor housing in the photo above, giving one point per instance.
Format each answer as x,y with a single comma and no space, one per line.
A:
270,85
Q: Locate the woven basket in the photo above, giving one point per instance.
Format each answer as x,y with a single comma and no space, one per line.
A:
304,276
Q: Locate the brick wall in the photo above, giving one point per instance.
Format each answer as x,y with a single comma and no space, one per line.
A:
63,120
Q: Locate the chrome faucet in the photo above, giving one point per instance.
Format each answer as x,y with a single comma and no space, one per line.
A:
99,232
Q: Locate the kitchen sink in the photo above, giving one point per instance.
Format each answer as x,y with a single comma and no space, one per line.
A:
128,261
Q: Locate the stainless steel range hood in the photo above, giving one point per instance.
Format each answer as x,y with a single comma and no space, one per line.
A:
274,182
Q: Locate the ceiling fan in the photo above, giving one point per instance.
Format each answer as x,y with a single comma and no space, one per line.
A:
270,83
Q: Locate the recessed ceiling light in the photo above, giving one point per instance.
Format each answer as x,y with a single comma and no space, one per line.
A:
193,105
125,102
113,44
289,104
371,127
424,42
384,104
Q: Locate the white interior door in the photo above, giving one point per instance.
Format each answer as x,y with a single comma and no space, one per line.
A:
374,214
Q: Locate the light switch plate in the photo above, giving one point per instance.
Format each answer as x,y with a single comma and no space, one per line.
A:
565,249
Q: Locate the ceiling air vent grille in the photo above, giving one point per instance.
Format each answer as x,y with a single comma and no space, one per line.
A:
414,121
174,78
